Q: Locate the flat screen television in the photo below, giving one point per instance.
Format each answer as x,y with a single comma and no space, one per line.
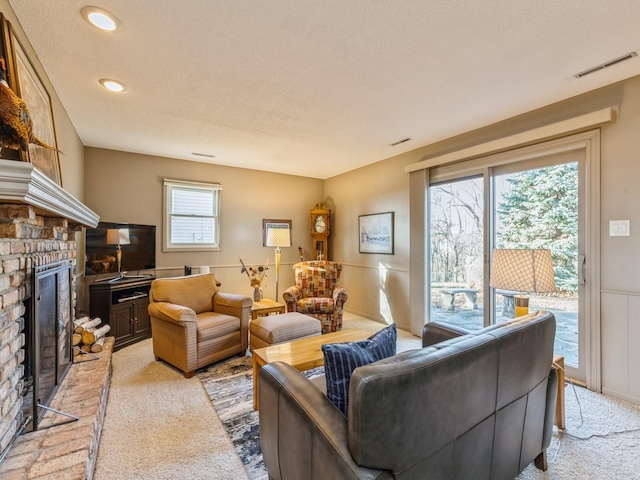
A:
139,254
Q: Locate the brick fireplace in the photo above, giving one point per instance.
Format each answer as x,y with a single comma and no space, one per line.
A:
28,242
38,226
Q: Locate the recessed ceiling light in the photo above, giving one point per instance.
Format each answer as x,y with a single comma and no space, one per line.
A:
100,18
111,85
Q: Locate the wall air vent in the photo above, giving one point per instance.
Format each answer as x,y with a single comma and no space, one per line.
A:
203,155
399,142
628,56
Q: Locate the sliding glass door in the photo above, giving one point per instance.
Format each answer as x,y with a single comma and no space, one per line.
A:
519,203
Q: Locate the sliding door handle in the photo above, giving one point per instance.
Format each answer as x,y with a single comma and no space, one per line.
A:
582,269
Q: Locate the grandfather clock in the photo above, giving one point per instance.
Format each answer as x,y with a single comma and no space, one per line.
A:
320,230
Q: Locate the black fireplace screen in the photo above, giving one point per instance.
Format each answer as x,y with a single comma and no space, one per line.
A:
48,336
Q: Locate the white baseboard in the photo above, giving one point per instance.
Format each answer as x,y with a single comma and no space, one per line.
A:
622,396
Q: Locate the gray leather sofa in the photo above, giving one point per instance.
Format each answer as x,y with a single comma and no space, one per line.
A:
466,406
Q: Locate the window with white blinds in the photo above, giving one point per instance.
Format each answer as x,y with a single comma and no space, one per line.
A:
192,215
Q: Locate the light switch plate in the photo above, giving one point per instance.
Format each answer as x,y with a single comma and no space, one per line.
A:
619,228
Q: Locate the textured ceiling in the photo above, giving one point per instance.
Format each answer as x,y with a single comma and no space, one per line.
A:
318,88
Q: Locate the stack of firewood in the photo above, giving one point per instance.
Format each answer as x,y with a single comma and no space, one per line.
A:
88,335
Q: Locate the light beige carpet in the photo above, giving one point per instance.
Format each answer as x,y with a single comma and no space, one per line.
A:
160,425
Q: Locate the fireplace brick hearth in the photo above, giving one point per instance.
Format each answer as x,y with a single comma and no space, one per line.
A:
66,451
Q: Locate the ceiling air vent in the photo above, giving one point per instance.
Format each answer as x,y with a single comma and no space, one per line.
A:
399,142
203,155
628,56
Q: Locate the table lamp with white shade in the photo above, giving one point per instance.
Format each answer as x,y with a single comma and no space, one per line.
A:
118,236
522,270
278,235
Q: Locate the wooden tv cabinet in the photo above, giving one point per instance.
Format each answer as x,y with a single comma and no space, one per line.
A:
123,306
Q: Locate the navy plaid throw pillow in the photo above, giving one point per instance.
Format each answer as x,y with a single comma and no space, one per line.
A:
341,359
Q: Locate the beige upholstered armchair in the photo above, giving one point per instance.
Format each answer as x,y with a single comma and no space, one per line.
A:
317,293
193,324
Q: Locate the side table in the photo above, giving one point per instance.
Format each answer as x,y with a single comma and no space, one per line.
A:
266,307
558,364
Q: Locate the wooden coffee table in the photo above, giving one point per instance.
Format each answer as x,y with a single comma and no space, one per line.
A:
302,354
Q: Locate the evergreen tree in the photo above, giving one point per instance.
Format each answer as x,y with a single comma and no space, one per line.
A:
540,210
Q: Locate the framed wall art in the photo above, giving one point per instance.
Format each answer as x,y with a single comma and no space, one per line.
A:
376,233
279,224
30,88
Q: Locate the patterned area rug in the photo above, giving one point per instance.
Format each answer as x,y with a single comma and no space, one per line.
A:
229,385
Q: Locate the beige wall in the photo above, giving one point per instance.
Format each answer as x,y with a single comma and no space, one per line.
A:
620,259
127,187
378,285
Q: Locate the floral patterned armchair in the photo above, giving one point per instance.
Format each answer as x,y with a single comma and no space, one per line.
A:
317,293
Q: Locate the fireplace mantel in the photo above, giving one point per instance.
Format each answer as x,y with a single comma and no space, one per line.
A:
21,182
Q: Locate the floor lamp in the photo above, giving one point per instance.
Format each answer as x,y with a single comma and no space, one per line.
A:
278,235
118,236
522,270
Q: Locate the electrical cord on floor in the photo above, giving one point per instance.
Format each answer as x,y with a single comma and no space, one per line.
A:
602,435
575,393
564,432
553,458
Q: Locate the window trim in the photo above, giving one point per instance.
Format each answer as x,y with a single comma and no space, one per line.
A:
167,246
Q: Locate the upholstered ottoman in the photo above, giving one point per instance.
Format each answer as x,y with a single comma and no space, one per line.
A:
272,329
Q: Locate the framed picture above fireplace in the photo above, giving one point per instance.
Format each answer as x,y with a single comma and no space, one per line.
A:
27,84
35,95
